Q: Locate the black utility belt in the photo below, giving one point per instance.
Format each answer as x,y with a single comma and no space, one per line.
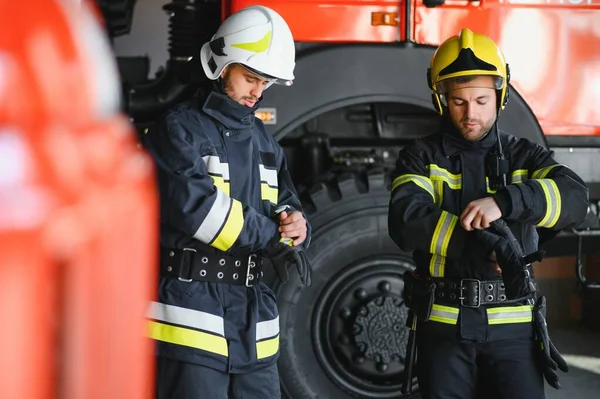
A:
470,292
188,264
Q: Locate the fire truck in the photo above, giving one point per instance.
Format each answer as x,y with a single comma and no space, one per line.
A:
359,96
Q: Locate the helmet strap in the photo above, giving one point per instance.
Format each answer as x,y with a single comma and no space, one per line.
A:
497,164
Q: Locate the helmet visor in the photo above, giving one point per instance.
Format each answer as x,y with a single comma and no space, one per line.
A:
463,82
270,79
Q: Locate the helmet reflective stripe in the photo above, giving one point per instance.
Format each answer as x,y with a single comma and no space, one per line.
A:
259,46
257,38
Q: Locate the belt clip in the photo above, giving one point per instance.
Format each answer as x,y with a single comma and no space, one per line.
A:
463,297
251,265
184,279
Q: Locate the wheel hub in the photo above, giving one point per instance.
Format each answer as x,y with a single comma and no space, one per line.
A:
379,330
360,331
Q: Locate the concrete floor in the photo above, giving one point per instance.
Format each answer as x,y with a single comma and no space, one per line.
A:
581,349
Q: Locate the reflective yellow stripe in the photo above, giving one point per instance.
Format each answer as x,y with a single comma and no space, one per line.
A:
267,338
436,173
449,231
439,243
553,202
518,176
444,314
419,180
269,185
259,46
437,265
218,171
191,318
186,337
232,227
543,172
510,314
221,184
268,347
439,176
499,315
215,223
488,189
269,193
438,186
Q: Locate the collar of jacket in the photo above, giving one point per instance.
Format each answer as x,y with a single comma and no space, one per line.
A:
453,142
228,112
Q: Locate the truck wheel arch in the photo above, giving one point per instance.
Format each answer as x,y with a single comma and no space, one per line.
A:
327,78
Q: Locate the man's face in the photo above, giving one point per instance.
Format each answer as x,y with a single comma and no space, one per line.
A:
241,85
472,106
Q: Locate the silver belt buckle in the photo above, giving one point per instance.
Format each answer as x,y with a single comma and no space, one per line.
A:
251,265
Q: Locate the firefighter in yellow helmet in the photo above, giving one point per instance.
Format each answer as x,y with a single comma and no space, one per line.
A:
468,201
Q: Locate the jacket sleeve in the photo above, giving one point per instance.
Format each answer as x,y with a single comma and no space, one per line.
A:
415,221
192,204
552,197
287,197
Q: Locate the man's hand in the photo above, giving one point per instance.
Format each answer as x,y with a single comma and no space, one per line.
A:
479,214
293,225
516,273
283,256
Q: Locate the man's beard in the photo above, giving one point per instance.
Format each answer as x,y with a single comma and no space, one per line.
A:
478,133
228,89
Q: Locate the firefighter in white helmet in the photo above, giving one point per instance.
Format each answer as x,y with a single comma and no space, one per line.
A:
258,39
227,204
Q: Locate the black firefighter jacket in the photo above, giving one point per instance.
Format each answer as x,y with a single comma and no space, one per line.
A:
221,178
434,180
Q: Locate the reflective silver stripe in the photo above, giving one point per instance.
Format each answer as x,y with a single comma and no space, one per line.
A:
267,329
439,243
518,176
443,232
553,202
510,314
444,314
419,180
543,172
268,176
215,219
438,186
214,166
454,181
186,317
437,265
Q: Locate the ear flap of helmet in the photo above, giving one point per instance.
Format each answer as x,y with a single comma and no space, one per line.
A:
435,99
506,89
437,104
429,78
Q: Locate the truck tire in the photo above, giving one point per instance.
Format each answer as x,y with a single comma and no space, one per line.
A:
345,336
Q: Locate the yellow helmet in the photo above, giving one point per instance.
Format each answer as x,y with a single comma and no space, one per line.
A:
467,54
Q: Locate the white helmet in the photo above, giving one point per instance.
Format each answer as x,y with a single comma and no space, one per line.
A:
256,37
